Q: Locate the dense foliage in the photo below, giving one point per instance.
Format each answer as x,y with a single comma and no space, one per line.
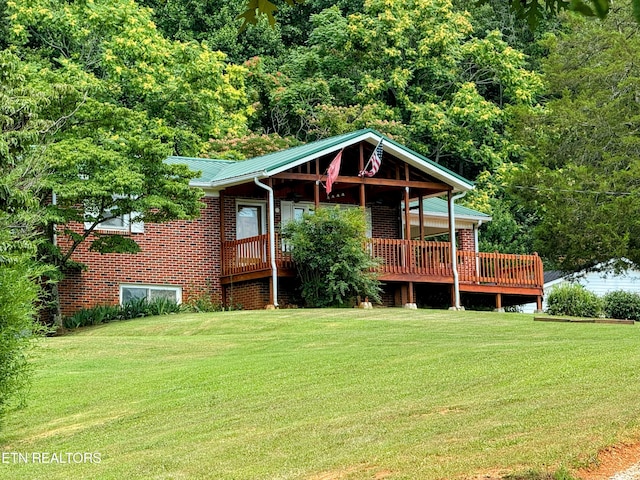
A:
413,70
328,248
22,125
584,164
623,305
574,300
100,314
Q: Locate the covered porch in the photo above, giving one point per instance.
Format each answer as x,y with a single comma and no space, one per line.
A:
403,261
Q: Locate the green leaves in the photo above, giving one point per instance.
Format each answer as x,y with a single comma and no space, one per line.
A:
328,250
582,174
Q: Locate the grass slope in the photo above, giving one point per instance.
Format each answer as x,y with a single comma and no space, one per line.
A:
321,394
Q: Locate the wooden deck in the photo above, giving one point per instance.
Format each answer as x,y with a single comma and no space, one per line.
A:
402,261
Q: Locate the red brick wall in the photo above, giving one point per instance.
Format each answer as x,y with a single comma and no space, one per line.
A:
466,240
181,253
249,295
385,221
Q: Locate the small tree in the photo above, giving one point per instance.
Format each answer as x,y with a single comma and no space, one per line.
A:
328,248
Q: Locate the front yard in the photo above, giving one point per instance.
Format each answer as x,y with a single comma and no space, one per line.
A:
324,394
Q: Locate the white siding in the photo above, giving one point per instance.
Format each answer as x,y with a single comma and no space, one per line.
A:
599,283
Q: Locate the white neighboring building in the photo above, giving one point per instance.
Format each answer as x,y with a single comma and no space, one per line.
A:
600,281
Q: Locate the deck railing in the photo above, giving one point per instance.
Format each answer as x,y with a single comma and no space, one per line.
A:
252,255
411,257
402,256
500,269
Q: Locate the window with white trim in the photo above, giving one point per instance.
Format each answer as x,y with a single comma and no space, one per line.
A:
134,291
122,223
250,219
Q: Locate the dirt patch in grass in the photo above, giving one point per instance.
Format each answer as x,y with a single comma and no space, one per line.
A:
611,461
349,472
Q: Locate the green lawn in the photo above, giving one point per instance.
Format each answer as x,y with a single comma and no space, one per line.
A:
323,394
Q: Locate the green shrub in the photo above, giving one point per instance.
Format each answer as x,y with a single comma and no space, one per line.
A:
574,300
202,303
623,305
328,249
162,306
133,309
81,318
18,327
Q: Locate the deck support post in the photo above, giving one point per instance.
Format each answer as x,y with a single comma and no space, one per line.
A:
411,302
499,303
421,216
539,304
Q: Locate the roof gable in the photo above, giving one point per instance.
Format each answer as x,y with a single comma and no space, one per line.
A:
222,173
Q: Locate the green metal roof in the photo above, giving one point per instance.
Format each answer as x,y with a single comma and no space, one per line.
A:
209,168
438,206
267,164
220,173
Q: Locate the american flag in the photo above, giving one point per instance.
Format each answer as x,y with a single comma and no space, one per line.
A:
374,160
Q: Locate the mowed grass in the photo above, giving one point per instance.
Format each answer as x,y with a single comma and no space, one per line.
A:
324,394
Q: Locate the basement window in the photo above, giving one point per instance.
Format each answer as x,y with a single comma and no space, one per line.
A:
149,292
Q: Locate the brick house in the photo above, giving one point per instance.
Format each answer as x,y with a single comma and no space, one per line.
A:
233,253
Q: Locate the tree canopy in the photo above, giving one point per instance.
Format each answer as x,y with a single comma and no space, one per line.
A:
584,164
414,71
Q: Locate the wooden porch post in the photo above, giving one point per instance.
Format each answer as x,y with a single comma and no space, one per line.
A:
407,216
421,216
316,188
407,235
363,202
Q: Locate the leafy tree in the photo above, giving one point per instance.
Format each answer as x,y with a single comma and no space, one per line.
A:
113,49
249,146
217,23
131,97
329,253
533,11
21,172
511,226
582,174
416,70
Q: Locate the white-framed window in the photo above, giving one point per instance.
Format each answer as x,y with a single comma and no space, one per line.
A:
126,223
250,219
135,291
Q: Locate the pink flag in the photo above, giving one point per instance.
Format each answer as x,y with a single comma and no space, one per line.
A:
333,171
